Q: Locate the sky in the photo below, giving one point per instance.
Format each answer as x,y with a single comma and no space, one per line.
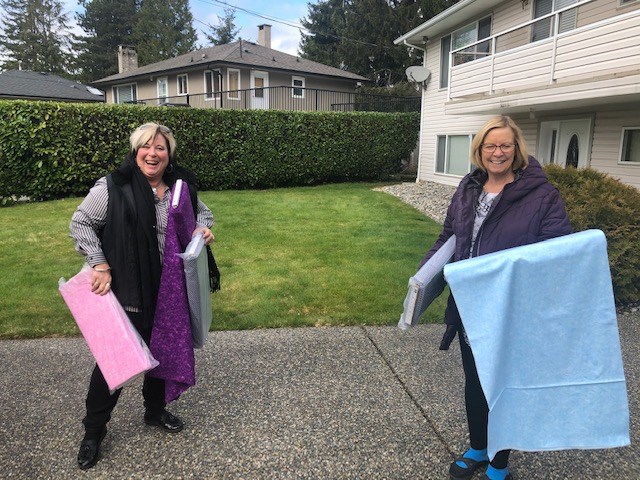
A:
283,18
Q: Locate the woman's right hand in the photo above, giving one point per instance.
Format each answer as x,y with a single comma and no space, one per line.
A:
101,279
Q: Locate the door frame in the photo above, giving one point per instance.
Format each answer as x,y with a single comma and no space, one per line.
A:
554,136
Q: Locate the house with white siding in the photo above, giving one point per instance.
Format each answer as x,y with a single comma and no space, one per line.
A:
567,71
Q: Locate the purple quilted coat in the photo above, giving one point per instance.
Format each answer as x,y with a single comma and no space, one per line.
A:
527,211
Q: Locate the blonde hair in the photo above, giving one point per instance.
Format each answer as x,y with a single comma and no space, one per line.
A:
521,158
147,132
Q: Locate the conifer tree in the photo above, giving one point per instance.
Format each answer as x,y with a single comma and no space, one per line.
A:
358,35
33,36
107,24
226,31
163,29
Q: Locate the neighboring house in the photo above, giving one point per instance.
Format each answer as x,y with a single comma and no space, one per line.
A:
27,85
236,75
567,71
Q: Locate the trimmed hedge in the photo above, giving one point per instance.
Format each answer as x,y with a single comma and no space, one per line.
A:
595,200
53,150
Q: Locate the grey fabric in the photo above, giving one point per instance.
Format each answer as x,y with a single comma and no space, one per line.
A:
196,270
426,285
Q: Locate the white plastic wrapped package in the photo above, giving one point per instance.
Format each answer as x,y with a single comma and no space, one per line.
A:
114,342
426,285
196,270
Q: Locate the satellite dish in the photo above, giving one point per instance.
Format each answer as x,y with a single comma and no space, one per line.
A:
418,74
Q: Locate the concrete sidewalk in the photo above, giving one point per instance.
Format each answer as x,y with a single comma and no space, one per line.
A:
308,403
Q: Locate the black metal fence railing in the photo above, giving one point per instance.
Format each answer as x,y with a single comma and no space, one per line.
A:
291,99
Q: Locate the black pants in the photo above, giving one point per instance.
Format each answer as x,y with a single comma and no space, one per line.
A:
477,407
100,403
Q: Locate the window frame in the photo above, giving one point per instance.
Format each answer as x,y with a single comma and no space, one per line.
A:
216,77
162,99
445,61
446,57
295,87
447,162
134,92
235,92
179,84
621,161
625,3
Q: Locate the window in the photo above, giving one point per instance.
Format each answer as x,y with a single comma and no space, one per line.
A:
183,86
471,34
211,84
543,28
466,35
630,151
453,154
627,2
233,84
445,51
163,90
125,93
298,87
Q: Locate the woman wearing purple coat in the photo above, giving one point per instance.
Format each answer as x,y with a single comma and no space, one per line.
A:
507,201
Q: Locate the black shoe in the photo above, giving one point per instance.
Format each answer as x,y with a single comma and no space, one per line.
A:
166,421
90,450
456,472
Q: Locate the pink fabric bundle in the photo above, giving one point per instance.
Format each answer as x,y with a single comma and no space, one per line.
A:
117,347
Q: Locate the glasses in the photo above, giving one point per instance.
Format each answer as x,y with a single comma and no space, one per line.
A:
505,147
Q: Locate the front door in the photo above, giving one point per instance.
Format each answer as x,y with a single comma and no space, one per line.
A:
259,90
566,142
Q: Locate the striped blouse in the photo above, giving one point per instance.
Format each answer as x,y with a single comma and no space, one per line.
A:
91,216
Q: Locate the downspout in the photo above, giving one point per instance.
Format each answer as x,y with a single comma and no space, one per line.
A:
422,116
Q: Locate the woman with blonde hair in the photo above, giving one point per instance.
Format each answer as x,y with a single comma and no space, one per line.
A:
505,202
121,228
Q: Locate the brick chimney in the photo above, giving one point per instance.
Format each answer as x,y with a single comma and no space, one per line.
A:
264,35
127,58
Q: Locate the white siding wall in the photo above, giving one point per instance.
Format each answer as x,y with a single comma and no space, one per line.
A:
607,135
435,122
607,129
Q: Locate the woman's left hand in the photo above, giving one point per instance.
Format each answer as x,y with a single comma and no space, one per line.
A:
206,234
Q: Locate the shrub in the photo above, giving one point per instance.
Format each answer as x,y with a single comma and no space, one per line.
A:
595,200
52,150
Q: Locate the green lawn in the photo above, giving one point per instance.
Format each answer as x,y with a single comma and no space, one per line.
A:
327,255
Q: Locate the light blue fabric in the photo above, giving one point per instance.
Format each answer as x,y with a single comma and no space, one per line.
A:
542,326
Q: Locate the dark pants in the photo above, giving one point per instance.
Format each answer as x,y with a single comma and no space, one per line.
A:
477,407
100,403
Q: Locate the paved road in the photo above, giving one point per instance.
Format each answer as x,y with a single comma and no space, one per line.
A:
309,403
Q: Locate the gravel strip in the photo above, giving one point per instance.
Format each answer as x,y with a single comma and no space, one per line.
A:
430,198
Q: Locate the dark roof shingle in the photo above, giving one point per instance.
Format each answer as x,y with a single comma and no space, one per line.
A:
45,86
239,53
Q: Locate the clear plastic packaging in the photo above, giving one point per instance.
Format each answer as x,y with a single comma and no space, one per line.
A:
196,271
116,345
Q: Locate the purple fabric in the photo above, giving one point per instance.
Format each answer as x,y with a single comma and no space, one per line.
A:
171,342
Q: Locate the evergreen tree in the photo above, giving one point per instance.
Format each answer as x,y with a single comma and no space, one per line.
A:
108,24
226,31
163,29
358,35
33,36
326,23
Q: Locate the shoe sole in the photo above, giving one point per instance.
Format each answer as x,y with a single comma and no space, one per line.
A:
151,423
